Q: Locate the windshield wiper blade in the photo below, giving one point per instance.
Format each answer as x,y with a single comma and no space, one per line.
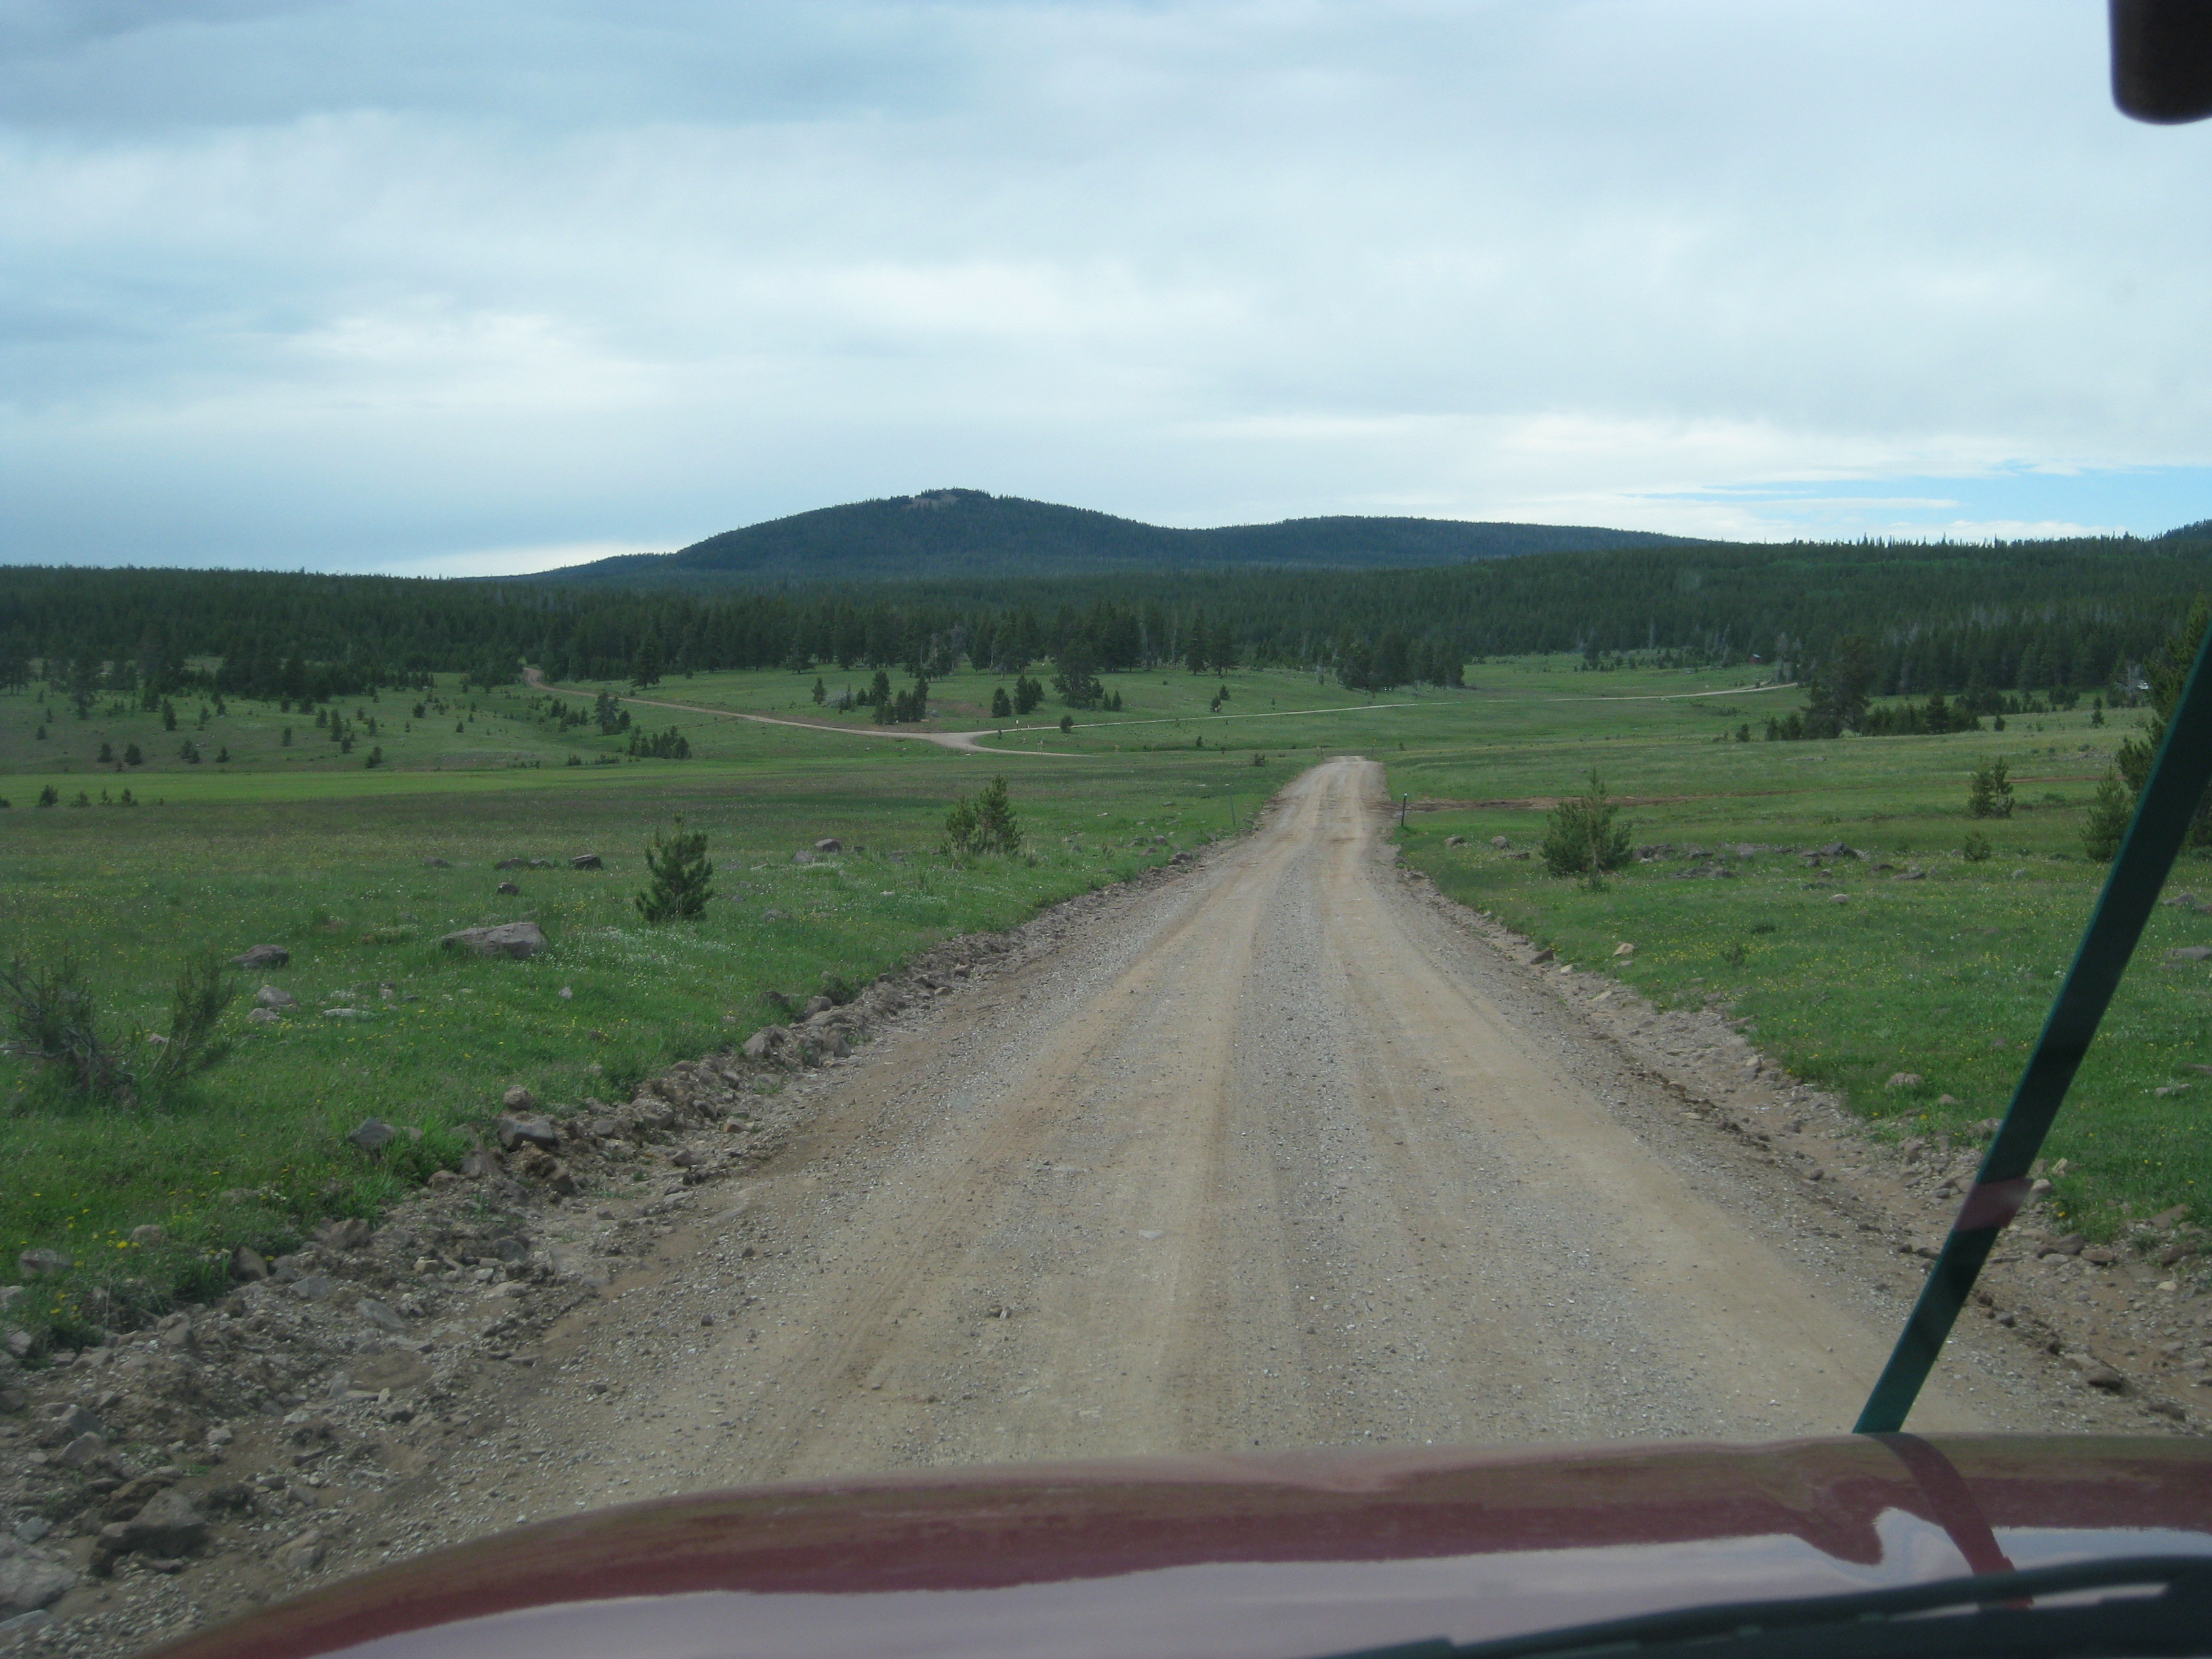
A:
1983,1617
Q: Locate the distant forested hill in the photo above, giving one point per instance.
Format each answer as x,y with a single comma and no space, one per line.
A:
965,534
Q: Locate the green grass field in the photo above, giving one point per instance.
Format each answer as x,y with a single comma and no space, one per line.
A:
307,846
1947,977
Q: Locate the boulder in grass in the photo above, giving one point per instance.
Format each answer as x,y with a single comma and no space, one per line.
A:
587,861
512,864
33,1263
262,956
374,1135
1904,1080
437,863
519,940
272,996
508,890
828,844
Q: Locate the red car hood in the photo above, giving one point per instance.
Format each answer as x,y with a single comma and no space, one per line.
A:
1249,1558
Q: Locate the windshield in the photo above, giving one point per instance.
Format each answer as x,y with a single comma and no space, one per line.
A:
899,753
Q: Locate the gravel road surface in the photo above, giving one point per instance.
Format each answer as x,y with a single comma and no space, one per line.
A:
1278,1156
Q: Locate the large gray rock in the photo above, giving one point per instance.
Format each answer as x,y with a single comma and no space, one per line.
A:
374,1135
30,1578
517,1130
262,956
33,1263
346,1233
518,940
62,1419
271,996
587,861
171,1524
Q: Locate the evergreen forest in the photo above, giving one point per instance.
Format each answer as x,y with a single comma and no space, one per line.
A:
1912,619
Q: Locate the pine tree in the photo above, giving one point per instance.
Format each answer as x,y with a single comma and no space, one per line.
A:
996,827
1989,791
1580,838
2107,822
680,872
2168,672
1002,706
1197,643
985,824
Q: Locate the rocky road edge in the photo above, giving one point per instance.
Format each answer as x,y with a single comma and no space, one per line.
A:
236,1452
2125,1329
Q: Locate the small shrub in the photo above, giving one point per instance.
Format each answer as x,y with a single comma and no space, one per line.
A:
1066,723
1977,849
196,1004
53,1017
678,865
1580,837
985,824
2107,822
1989,791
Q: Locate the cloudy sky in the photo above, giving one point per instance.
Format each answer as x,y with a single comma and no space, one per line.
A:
417,286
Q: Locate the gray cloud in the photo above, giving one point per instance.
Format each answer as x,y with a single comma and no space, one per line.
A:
381,284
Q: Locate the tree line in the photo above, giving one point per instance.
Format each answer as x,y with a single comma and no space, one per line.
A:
2040,617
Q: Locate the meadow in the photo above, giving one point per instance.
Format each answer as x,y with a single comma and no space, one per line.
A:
304,844
1947,977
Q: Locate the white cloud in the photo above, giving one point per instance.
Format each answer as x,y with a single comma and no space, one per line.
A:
360,280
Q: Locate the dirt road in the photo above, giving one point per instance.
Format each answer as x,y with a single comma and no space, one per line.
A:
1280,1157
1282,1150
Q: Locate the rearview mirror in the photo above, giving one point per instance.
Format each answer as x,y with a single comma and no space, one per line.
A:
2162,59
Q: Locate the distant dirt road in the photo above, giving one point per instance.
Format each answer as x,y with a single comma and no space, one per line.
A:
1276,1156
